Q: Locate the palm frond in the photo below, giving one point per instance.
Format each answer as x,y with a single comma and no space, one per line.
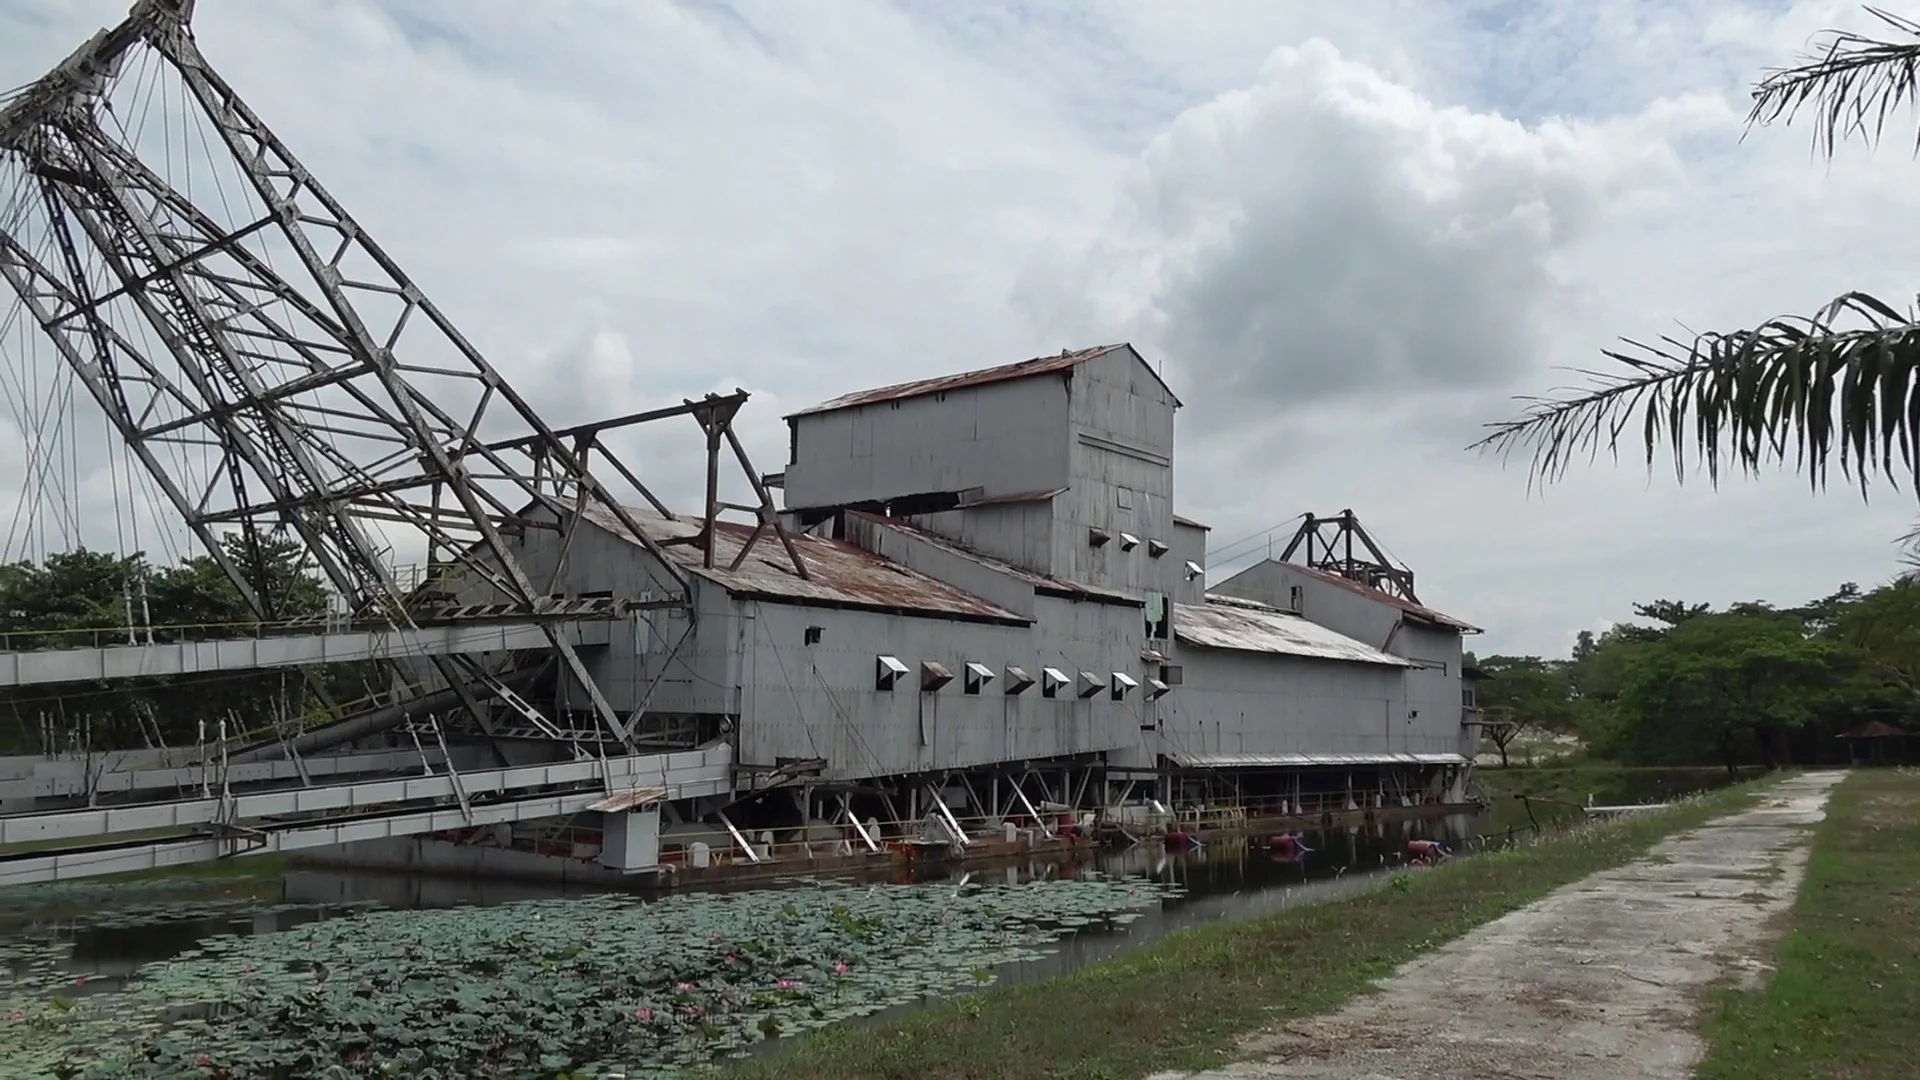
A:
1842,386
1910,555
1851,86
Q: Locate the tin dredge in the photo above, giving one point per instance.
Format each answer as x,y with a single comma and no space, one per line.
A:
964,620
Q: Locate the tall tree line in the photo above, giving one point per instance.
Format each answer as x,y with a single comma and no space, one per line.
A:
96,598
1748,684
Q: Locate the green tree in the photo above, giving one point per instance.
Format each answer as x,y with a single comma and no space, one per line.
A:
1716,681
1841,384
1884,625
93,598
1524,693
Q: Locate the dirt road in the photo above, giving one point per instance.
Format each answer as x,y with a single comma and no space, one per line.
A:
1599,980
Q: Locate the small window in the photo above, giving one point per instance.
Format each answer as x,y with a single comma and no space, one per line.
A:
1296,599
813,635
1157,611
1123,498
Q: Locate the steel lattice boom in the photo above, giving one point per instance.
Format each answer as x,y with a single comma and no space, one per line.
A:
272,368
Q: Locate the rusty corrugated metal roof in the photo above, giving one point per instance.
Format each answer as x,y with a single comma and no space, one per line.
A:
842,574
1874,729
1232,623
1418,611
1045,583
1067,360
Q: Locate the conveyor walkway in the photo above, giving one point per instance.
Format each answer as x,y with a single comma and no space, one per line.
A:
275,821
95,664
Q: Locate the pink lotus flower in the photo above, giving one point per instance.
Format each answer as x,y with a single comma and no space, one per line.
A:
643,1014
683,988
16,1015
785,984
839,967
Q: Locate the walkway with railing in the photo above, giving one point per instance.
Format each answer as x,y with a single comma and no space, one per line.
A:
218,822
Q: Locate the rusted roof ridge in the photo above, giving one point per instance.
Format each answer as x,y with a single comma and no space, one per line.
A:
1419,611
843,574
1046,584
1039,365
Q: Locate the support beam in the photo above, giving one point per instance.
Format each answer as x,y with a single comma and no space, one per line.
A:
752,855
946,816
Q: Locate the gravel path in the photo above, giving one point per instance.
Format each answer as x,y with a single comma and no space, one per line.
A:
1598,980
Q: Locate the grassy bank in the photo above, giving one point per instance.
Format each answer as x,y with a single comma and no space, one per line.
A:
1609,783
1182,1002
1844,1002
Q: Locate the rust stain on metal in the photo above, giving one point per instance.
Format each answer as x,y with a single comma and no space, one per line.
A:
1418,611
1046,583
1230,623
841,573
985,376
630,799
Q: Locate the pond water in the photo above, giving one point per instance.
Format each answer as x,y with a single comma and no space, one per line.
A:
677,979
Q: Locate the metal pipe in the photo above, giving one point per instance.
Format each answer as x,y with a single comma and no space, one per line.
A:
371,722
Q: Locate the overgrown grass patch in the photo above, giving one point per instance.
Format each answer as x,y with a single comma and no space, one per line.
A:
1185,1001
1844,1000
1572,781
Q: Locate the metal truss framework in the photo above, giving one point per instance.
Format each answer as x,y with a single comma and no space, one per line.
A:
298,356
1328,544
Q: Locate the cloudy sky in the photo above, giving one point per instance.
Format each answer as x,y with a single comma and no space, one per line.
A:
1349,232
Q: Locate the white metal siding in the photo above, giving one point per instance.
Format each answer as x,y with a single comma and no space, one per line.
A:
1001,437
803,700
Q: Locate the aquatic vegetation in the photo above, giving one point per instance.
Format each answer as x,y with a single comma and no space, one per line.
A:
584,986
85,894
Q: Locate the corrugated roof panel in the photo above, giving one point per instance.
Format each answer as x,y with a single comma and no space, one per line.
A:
1180,519
1067,360
1256,628
1042,365
841,573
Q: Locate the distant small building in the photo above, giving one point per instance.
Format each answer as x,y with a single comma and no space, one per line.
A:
1877,742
